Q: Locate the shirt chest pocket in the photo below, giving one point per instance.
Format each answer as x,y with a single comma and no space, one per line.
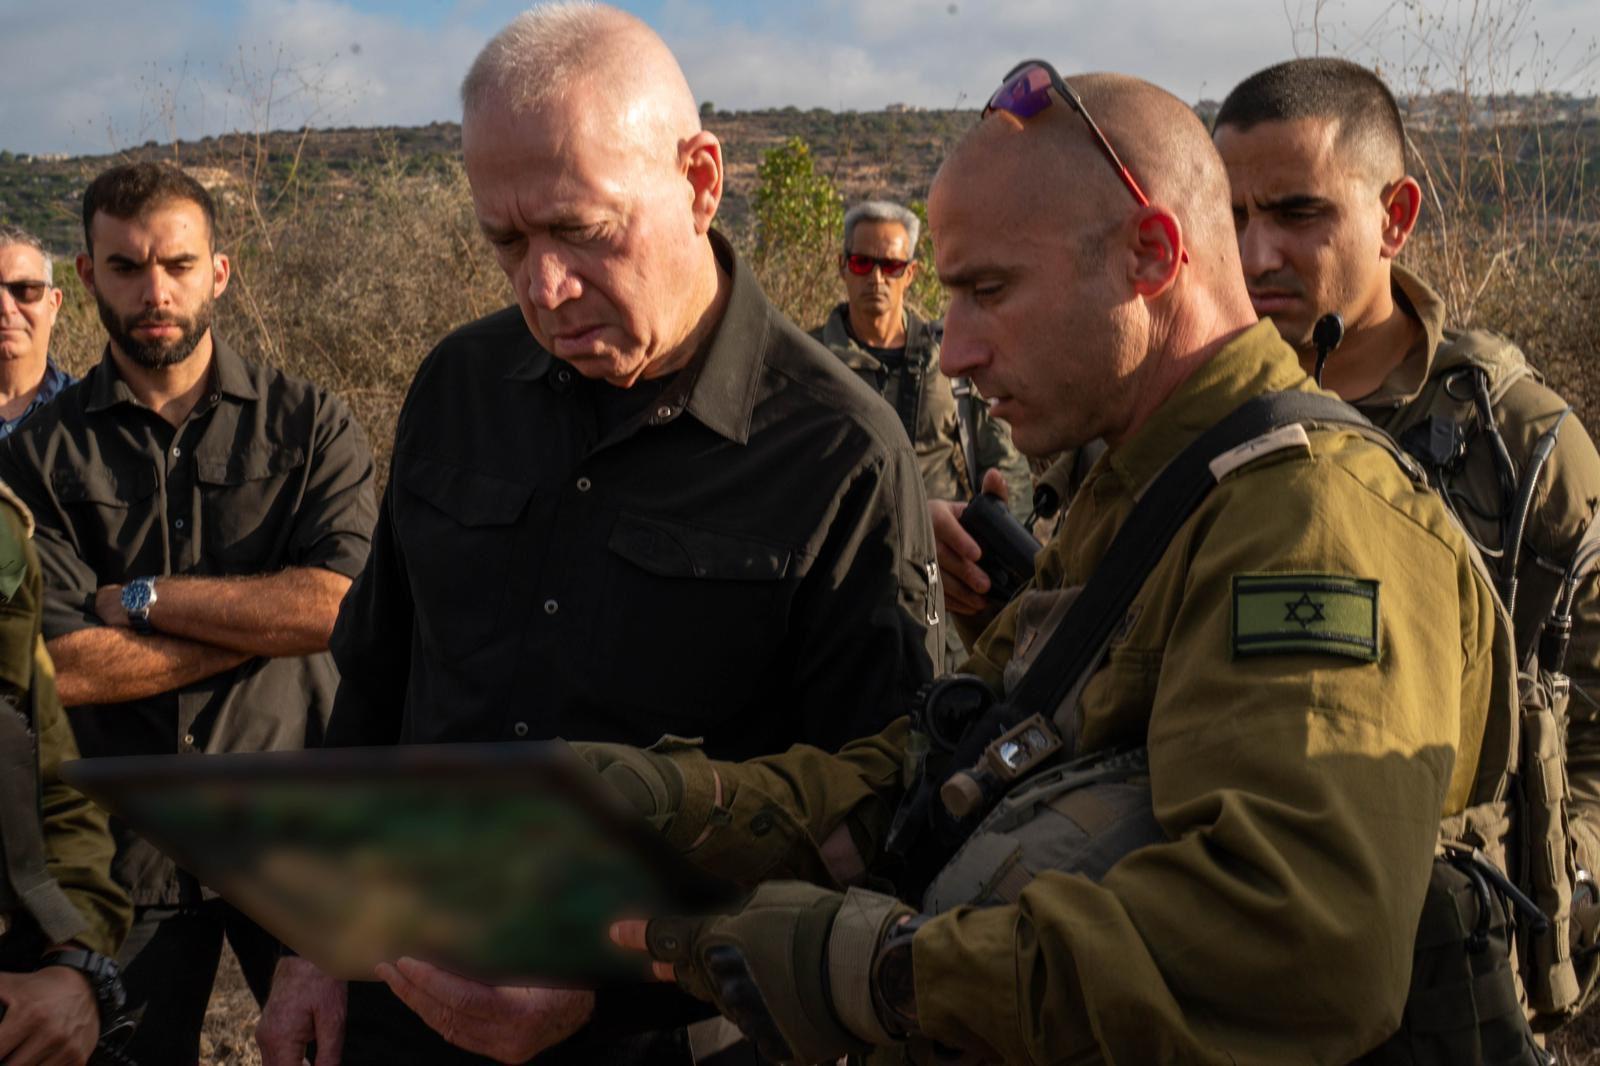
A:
458,529
248,499
111,511
707,607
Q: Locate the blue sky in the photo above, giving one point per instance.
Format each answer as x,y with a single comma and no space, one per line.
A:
120,72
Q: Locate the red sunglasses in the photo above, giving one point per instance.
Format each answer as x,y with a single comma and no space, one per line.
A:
861,265
1026,91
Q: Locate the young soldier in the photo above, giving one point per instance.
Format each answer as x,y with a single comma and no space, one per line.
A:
1315,152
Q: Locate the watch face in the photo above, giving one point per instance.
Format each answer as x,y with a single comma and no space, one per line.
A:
136,596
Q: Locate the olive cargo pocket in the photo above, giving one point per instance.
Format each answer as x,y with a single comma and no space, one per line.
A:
715,604
458,528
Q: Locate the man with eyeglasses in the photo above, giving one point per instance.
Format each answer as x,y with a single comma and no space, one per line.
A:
1235,866
29,302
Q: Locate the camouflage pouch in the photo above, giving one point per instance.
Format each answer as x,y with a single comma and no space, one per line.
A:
1080,817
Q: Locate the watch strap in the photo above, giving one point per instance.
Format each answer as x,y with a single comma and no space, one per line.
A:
103,975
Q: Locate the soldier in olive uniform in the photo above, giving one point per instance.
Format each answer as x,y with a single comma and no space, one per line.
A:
1303,739
61,914
1315,152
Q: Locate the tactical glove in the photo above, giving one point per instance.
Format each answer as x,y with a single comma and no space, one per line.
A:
671,784
792,969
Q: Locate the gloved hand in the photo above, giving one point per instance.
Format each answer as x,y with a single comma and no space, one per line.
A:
671,783
792,969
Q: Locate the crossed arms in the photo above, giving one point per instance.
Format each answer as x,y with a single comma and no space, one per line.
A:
204,625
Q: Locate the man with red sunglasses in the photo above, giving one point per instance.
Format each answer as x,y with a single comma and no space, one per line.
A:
896,351
29,302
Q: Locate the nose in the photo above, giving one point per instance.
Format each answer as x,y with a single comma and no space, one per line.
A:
1259,253
551,282
962,350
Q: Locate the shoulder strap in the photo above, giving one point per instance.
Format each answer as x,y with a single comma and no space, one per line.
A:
1166,503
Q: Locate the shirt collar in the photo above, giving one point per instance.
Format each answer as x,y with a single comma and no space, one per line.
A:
1254,362
836,335
228,374
1416,298
719,387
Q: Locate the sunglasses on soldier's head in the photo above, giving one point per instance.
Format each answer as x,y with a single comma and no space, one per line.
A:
1026,91
25,292
861,265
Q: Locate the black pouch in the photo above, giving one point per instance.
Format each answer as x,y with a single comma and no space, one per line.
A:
1463,1008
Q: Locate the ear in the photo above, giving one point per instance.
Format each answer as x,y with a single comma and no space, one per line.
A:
221,271
1157,251
1402,204
701,159
911,272
54,300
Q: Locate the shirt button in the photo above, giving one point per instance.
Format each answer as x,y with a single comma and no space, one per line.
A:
188,738
520,729
178,524
176,451
551,607
663,412
563,376
584,484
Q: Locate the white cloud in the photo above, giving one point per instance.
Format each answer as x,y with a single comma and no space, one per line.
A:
104,79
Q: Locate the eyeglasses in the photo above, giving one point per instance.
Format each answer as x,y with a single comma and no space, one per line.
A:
25,292
1026,91
861,265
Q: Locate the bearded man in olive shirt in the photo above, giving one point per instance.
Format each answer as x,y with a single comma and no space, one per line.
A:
198,520
641,501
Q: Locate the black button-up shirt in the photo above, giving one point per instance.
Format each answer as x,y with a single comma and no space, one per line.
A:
740,553
266,472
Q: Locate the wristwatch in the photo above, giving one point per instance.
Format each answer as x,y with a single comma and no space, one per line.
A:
137,596
894,988
104,977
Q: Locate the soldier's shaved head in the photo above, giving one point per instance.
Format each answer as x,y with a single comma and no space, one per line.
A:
1070,302
1159,138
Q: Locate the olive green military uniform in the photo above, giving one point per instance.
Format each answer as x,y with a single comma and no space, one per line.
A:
77,841
924,399
1564,506
1311,664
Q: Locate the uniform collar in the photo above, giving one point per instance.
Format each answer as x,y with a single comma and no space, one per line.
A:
1254,362
1416,298
836,335
228,375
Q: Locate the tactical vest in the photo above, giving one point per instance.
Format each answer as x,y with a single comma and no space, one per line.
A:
1085,814
1451,428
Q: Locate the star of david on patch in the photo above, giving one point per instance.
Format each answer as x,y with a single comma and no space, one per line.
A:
1297,611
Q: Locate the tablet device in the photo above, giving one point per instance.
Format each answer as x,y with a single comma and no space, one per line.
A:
500,862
